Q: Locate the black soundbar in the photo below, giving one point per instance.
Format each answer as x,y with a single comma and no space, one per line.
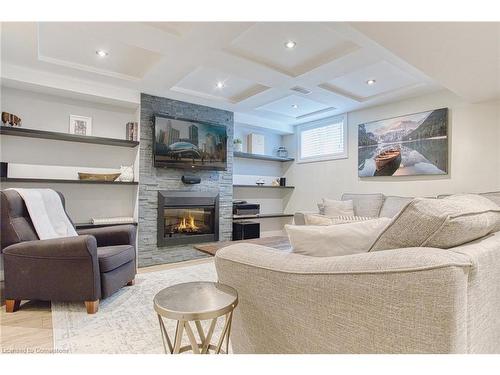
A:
191,180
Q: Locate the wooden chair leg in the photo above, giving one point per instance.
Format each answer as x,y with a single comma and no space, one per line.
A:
131,282
12,305
92,306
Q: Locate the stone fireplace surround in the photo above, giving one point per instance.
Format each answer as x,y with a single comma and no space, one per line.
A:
152,180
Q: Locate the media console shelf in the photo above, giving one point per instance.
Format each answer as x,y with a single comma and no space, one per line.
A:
59,181
90,225
260,216
43,134
264,186
246,155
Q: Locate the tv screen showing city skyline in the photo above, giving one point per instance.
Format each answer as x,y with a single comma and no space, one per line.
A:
189,144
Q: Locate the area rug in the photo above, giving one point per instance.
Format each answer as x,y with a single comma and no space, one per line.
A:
126,322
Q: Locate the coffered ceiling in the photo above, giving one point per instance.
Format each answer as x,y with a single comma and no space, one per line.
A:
248,68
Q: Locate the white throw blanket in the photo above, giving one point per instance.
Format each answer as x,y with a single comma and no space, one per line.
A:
47,213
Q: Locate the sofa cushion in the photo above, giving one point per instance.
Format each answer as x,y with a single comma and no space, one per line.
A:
365,204
392,205
338,208
112,257
440,223
493,196
335,240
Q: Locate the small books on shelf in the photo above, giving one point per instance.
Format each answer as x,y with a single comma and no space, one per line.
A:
132,131
112,220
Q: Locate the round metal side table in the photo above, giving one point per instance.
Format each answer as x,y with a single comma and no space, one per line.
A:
196,302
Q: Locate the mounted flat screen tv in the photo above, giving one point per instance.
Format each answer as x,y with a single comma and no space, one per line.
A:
187,144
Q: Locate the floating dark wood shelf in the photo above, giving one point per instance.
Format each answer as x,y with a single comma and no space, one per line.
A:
260,216
59,181
34,133
90,225
246,155
264,186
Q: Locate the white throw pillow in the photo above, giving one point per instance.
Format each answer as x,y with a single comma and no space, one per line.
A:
338,208
317,219
335,240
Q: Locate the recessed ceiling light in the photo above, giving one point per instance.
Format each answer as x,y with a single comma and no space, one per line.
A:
290,44
371,82
101,53
219,84
295,106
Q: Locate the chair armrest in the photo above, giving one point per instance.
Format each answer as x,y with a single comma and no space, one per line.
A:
61,269
56,248
398,301
111,236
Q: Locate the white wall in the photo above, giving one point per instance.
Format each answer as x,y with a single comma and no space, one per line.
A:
247,171
48,112
272,140
474,159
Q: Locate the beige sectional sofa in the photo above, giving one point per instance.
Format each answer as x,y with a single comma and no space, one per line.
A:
410,300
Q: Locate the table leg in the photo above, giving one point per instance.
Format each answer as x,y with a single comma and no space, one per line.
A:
229,331
164,336
192,339
206,343
200,331
178,337
223,334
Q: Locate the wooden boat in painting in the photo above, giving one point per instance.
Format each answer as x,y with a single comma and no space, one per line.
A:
387,156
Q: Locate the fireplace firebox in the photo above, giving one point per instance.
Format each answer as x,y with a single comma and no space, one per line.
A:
186,217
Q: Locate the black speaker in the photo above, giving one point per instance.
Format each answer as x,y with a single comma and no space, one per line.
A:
3,169
191,180
245,230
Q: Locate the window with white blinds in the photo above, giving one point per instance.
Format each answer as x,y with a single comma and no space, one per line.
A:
323,140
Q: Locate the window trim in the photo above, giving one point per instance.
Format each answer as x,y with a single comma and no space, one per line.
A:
319,124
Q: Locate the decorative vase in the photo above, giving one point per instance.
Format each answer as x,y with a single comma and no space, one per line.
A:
126,173
238,147
8,119
282,152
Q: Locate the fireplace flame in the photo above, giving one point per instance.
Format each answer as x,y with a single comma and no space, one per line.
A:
187,224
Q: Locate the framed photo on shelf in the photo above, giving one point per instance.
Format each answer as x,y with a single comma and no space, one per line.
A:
80,125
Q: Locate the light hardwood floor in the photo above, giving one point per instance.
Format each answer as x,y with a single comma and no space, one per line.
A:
29,330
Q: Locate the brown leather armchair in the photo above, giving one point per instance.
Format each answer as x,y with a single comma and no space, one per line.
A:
91,266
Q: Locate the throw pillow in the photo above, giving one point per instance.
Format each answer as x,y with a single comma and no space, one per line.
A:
440,223
335,240
338,208
392,205
321,208
316,219
365,204
493,196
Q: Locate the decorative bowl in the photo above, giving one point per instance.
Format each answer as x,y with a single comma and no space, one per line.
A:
98,176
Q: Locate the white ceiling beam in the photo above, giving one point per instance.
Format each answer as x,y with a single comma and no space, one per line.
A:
24,78
245,119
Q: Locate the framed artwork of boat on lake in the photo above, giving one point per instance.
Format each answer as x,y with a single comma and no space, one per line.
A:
410,145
